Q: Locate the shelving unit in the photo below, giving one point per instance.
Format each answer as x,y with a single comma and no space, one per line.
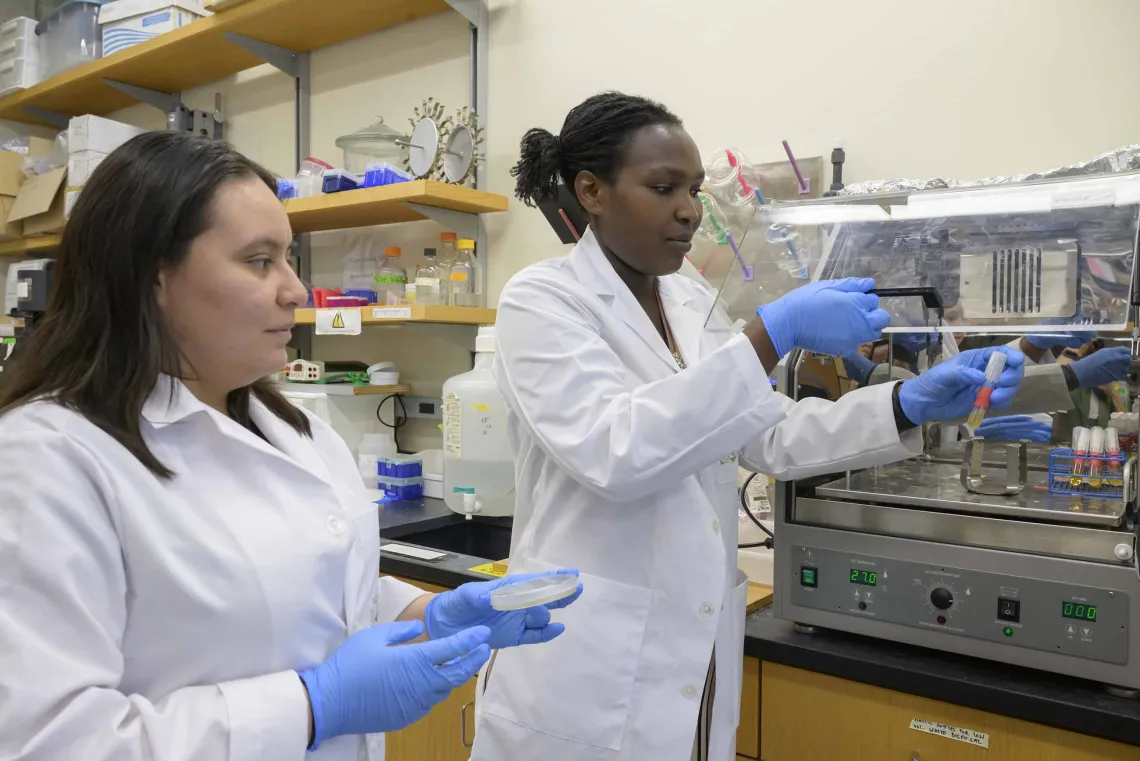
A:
405,202
28,246
343,389
381,315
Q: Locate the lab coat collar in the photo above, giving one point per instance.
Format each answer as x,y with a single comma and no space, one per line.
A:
171,402
595,272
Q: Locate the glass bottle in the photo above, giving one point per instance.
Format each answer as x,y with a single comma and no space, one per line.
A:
447,255
461,278
428,280
391,278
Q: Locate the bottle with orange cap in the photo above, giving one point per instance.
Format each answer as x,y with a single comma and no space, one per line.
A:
391,279
461,282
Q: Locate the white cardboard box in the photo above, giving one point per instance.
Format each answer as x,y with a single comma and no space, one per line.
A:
126,23
94,133
81,164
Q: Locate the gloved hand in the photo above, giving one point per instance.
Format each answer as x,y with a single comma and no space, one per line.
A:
1015,428
1070,340
917,342
470,605
368,686
947,390
858,367
1101,367
829,317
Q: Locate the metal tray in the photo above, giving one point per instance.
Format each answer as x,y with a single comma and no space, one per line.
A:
936,486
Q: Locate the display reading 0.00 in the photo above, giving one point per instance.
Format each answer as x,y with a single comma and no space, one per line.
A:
1076,610
867,578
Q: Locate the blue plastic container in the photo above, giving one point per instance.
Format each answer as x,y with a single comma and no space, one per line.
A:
336,180
400,466
1072,475
401,488
384,174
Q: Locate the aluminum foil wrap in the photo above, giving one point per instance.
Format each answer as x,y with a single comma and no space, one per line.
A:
1126,159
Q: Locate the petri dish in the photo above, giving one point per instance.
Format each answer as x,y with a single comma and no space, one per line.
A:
539,591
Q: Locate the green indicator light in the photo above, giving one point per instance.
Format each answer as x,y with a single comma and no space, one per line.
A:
1007,631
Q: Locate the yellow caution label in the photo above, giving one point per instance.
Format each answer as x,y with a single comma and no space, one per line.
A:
338,321
480,407
488,569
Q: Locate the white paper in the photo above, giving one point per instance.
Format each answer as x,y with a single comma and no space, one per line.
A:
968,736
412,552
338,322
392,313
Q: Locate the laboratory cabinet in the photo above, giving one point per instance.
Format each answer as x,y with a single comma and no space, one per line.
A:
805,716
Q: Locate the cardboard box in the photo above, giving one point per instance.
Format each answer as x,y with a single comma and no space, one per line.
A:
80,166
40,204
9,230
11,173
126,23
94,133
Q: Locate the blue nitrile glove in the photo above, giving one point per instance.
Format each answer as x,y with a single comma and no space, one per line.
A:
1015,428
947,390
917,342
367,685
1071,340
858,368
1103,366
829,317
470,605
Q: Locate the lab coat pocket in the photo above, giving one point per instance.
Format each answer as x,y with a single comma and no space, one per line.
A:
578,687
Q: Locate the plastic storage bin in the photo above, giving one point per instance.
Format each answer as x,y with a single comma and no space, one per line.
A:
401,488
24,46
336,180
384,173
400,466
17,74
69,37
17,27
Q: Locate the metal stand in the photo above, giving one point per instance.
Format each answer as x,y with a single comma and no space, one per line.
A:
1016,469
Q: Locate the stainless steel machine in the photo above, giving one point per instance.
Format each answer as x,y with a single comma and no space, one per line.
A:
908,552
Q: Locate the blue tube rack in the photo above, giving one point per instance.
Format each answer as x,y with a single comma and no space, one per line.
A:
1065,477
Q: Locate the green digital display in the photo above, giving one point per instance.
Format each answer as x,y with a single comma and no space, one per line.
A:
1078,611
866,578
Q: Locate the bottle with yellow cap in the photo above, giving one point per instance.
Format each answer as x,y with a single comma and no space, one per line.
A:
462,289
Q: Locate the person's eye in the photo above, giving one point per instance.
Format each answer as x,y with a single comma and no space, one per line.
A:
663,190
695,191
260,263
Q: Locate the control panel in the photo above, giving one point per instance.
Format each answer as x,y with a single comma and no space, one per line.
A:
1084,622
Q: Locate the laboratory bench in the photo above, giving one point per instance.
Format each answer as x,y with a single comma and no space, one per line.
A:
809,696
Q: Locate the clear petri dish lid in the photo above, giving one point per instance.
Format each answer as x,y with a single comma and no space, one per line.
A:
539,591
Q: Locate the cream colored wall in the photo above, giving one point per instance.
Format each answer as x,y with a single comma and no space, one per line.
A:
968,88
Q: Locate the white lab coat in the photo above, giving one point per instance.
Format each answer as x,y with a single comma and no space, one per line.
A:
149,619
626,469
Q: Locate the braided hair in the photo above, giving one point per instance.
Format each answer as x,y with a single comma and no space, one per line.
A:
594,137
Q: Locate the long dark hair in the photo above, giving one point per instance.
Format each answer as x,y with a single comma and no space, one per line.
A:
594,137
102,344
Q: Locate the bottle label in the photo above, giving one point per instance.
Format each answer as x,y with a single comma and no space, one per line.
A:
389,279
460,276
452,426
427,282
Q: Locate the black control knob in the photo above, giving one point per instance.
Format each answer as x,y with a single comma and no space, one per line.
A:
941,598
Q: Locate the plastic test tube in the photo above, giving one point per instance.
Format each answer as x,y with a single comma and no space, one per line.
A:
1081,439
994,367
1096,456
1113,469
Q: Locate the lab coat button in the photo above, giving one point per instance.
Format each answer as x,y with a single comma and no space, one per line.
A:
707,609
336,526
716,525
689,692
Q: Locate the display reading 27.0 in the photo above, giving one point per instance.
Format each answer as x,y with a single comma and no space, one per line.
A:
867,578
1076,610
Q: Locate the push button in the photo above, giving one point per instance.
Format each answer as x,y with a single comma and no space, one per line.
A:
1009,610
808,576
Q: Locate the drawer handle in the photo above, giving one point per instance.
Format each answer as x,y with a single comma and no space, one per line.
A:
463,725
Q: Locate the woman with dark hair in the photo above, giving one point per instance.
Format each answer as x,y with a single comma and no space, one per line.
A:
627,417
188,563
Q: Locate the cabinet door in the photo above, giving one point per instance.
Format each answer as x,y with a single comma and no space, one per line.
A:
445,734
809,717
748,733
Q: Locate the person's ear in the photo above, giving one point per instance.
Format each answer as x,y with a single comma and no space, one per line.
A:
160,289
591,192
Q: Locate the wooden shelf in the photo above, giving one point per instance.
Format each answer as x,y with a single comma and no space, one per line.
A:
386,204
380,315
25,246
199,53
343,389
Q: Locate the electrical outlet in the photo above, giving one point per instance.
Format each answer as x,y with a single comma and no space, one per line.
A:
424,407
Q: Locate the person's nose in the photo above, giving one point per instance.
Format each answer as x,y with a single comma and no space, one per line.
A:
689,211
292,292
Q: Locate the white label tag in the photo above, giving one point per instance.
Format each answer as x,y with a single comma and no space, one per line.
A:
413,552
338,322
7,330
968,736
392,313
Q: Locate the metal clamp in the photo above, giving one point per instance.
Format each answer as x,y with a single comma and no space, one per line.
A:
1016,469
463,725
1128,492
